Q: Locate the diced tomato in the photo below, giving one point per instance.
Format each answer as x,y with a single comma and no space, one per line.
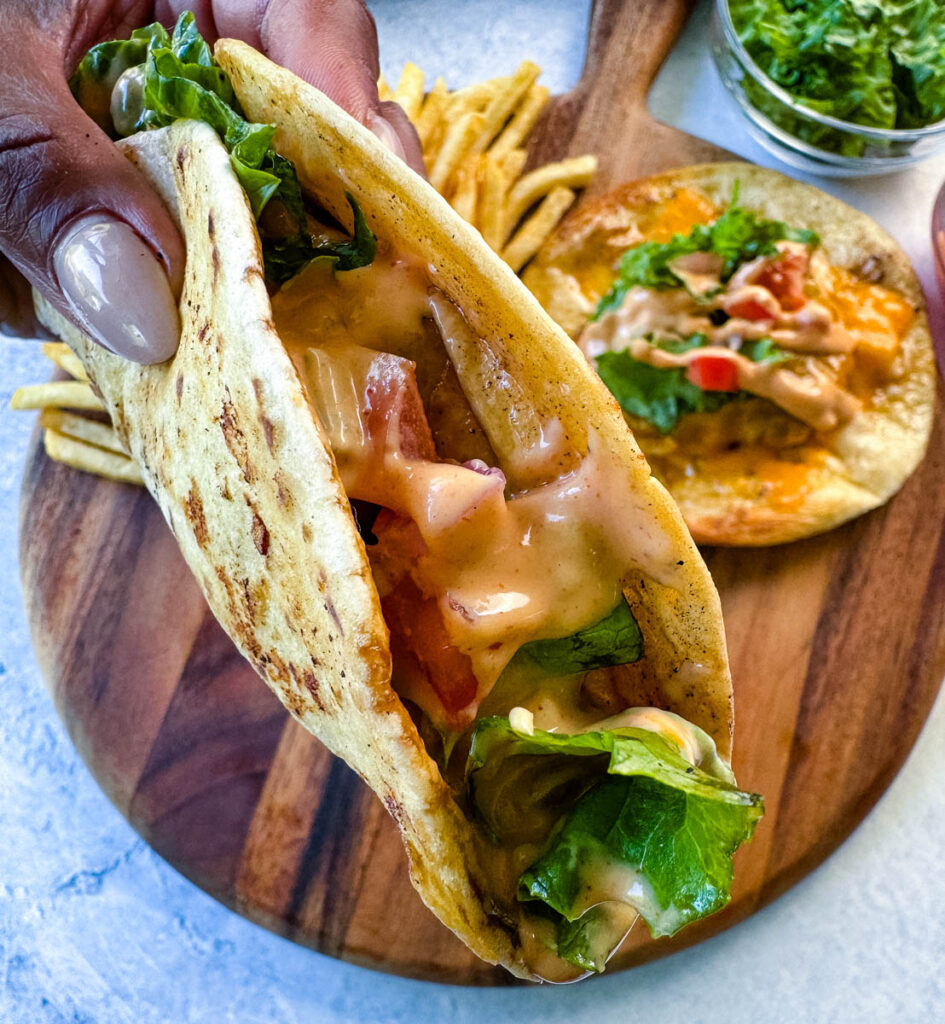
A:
713,373
430,670
784,278
399,546
417,629
396,418
748,309
400,534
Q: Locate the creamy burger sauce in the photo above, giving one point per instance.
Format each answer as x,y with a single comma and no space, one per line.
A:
502,571
805,391
843,332
812,397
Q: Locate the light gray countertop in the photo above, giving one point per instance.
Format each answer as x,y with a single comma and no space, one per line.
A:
95,928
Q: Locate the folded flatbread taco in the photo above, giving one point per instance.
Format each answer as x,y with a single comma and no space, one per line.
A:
420,515
768,345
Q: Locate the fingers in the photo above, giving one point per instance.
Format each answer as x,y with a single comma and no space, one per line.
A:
332,44
79,220
17,316
412,152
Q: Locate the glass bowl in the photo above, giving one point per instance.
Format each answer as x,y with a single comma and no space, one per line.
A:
802,137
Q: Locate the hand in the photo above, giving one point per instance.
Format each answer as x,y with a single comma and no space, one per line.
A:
77,219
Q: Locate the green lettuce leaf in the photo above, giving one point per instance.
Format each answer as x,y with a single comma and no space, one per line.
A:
738,236
586,942
189,45
628,820
98,71
286,257
615,640
879,63
183,80
174,89
663,395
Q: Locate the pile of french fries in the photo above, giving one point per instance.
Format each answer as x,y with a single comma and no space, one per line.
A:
71,431
474,145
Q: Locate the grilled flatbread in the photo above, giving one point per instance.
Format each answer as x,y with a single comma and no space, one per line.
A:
234,438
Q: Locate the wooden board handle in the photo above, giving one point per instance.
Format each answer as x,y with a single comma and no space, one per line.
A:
628,41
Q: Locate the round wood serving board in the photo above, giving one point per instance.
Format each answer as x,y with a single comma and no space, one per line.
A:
837,647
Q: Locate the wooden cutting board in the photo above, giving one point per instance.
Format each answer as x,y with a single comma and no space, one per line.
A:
837,647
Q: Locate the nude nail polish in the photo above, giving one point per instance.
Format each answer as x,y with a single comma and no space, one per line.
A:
117,289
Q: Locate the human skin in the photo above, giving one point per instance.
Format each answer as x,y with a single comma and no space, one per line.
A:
77,220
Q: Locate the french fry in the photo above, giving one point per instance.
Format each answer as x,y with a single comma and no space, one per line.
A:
466,192
574,173
87,457
513,163
532,234
384,91
431,114
523,120
504,103
474,142
458,105
476,97
434,142
68,394
456,144
65,359
102,435
492,222
471,99
409,91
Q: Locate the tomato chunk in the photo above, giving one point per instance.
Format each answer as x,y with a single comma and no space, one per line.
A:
433,662
784,278
396,419
428,667
713,373
748,309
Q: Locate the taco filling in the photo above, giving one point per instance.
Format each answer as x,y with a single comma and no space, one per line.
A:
505,608
510,558
740,309
765,380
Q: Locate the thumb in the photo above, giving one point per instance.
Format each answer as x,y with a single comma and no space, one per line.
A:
81,222
332,44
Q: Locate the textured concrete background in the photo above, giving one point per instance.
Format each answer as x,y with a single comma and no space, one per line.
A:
95,928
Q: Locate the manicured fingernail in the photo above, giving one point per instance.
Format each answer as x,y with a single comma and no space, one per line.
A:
117,289
383,129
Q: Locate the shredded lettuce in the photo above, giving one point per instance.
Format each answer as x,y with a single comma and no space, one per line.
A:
879,63
738,236
100,68
663,395
626,818
615,640
181,79
286,257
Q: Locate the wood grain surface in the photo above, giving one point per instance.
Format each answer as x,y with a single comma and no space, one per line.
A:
837,647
